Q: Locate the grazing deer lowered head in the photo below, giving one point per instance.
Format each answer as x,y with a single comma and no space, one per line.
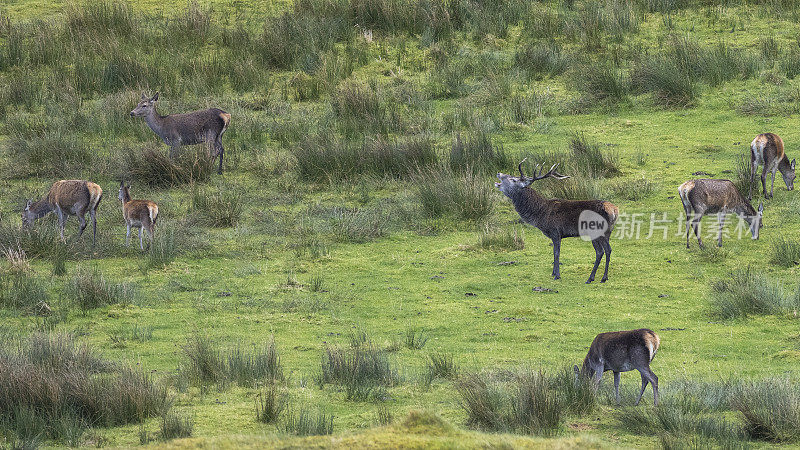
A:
205,126
767,150
622,351
556,218
708,196
137,214
67,198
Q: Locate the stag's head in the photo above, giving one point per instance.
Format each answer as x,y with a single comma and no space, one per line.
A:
28,216
145,105
124,191
512,186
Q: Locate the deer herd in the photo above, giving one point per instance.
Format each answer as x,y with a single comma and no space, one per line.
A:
593,220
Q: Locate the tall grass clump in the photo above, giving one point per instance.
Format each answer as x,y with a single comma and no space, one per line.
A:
219,207
633,190
669,420
477,152
443,191
360,107
89,289
750,292
363,370
742,176
303,422
527,402
600,82
22,291
663,77
152,166
590,160
176,426
328,159
440,365
359,225
54,152
785,252
501,240
206,363
770,408
539,59
579,394
270,404
163,249
53,388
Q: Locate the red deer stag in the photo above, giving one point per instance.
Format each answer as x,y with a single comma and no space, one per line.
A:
137,214
196,127
707,196
67,198
767,150
557,218
622,351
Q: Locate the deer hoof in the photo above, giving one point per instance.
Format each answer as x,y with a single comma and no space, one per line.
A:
604,280
556,277
589,280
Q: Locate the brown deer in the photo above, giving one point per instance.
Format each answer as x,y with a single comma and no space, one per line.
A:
67,198
708,196
557,218
622,351
767,150
205,126
137,214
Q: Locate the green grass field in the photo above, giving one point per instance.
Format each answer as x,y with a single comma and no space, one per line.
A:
324,248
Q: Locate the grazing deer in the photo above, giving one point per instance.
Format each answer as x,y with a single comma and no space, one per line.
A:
622,351
137,214
67,198
767,150
557,218
191,128
707,196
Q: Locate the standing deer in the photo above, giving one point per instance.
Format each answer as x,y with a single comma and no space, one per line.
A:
191,128
622,351
137,214
767,150
707,196
67,198
558,218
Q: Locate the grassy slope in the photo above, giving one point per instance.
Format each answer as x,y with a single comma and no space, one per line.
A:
385,286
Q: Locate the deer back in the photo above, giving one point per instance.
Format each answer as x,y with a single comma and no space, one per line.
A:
76,196
195,127
713,195
624,350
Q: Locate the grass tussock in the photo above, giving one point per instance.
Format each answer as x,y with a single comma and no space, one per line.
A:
303,422
153,167
771,409
477,152
589,159
271,403
440,365
530,402
363,369
176,426
359,225
415,339
54,388
749,292
24,292
207,364
785,252
501,240
442,191
634,190
89,289
219,207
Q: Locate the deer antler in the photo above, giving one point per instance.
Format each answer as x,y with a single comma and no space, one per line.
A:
522,175
537,175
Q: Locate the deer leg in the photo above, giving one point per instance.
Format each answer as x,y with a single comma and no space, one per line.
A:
753,169
607,247
93,216
598,250
644,385
61,222
721,220
689,219
128,235
173,151
141,243
616,386
220,152
772,186
696,226
82,221
764,181
556,254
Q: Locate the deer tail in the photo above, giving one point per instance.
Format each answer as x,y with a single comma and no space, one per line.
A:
652,341
613,212
152,210
95,195
226,120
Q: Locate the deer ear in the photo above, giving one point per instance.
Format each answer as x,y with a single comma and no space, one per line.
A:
144,97
526,181
792,164
28,204
155,97
575,368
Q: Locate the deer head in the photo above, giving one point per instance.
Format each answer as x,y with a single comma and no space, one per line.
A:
124,191
510,185
144,106
788,176
28,216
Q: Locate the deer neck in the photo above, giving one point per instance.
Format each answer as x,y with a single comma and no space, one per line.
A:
530,205
41,208
155,121
126,197
784,165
